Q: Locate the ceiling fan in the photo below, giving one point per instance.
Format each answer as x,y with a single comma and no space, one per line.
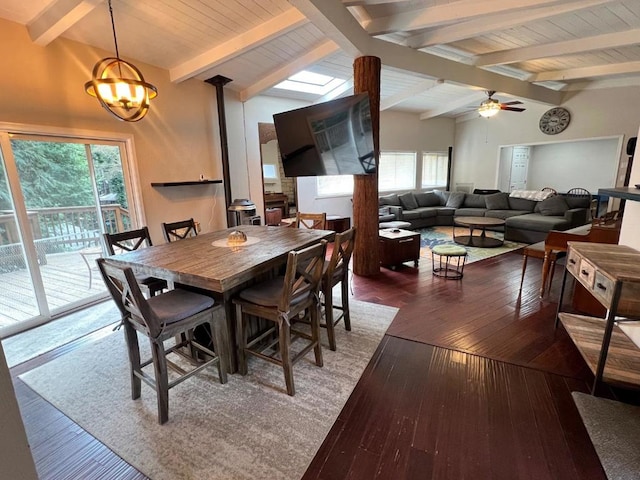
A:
491,106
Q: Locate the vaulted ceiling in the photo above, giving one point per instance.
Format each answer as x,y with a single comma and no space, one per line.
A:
438,56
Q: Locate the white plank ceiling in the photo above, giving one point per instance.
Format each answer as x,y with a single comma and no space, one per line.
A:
439,56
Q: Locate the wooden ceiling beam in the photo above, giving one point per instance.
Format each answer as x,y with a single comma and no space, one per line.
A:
408,93
263,33
474,98
57,18
503,21
337,23
556,49
448,13
587,72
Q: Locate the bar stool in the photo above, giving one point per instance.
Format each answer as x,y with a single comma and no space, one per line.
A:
451,260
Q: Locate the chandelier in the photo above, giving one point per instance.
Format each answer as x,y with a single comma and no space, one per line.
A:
489,108
119,86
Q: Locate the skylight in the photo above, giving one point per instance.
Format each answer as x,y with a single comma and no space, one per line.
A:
310,82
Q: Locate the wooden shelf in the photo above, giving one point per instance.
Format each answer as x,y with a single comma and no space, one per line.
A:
623,359
626,193
188,182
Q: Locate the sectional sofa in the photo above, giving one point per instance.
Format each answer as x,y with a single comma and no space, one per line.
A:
526,220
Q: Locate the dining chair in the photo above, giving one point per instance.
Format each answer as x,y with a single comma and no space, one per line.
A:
281,300
127,242
336,271
170,315
317,221
583,198
179,230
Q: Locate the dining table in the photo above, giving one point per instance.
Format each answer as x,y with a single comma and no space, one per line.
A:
215,263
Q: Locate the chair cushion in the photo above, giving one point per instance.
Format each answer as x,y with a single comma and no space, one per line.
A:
178,304
265,293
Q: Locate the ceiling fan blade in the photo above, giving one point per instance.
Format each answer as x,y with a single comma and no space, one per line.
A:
515,102
512,109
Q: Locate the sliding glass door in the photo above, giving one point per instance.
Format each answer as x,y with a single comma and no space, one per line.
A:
58,196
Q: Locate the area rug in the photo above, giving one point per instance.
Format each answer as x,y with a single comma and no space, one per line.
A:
614,429
433,236
246,429
27,345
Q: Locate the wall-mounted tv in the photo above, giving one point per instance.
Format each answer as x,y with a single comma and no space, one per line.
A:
331,138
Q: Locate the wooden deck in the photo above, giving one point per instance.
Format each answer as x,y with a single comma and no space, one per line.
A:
65,278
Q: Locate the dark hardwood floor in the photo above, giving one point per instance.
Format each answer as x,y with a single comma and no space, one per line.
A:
469,382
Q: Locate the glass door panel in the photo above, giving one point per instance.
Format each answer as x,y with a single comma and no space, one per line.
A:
59,194
17,296
111,187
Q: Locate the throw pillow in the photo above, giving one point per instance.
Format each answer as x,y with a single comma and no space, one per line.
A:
408,201
498,201
389,200
427,199
455,199
555,205
474,200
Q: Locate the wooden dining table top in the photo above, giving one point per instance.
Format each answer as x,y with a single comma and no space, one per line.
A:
206,261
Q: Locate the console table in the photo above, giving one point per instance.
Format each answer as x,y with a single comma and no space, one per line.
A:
611,273
277,200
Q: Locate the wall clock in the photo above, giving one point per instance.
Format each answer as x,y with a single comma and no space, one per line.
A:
555,120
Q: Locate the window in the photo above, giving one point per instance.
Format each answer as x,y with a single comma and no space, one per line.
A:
334,185
310,82
397,171
434,169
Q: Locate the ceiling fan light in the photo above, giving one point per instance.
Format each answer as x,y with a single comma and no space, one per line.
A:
488,109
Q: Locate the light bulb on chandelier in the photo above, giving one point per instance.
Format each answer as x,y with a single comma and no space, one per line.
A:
119,85
489,108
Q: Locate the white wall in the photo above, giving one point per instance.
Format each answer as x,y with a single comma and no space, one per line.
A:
589,164
398,131
594,113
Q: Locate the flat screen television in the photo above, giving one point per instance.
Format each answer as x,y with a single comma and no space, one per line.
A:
331,138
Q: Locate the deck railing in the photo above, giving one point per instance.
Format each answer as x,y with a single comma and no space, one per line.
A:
57,230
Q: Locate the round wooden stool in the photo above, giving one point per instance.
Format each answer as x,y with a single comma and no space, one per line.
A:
451,260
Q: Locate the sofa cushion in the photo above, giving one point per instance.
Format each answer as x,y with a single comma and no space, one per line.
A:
470,212
537,222
516,203
446,211
498,201
408,201
383,211
577,202
386,218
391,199
553,206
474,200
455,199
409,215
504,214
428,199
443,195
427,212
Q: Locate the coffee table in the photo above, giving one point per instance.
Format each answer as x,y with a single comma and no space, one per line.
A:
473,223
398,246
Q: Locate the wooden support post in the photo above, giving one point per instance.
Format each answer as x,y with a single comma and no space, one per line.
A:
366,257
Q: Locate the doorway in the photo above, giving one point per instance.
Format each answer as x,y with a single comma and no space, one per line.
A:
58,195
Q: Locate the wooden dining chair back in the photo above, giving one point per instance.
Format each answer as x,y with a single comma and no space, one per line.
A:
316,221
337,272
170,315
282,301
581,198
128,241
179,230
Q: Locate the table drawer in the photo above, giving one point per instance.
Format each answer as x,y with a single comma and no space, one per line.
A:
586,273
603,288
573,263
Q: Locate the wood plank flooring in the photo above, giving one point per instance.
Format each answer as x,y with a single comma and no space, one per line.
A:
469,382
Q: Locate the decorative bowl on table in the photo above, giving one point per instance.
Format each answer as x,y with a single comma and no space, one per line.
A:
236,238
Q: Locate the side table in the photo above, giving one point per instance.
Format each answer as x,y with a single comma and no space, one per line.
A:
398,246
